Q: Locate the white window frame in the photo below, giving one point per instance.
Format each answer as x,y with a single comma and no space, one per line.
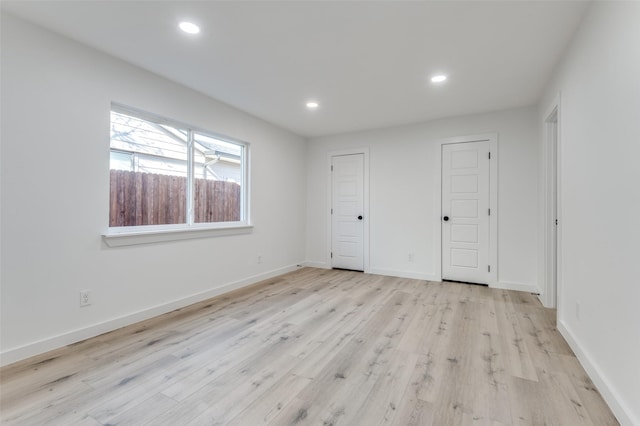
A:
132,235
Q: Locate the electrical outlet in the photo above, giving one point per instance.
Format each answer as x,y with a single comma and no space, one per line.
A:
410,257
85,297
259,258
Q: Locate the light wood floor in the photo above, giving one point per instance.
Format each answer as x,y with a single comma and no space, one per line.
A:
319,347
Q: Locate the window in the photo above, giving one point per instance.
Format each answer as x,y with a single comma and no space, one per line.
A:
166,173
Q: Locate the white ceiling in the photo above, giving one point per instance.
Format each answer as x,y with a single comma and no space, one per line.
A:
368,64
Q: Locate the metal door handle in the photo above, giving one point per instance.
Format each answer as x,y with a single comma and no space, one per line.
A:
446,218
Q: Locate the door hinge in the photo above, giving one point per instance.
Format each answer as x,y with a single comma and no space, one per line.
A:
556,222
331,211
489,155
489,212
332,255
332,167
488,268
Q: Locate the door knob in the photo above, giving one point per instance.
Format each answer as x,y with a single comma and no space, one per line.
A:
360,217
446,218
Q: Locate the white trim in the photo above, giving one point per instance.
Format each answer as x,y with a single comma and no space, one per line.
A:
313,264
349,151
404,274
551,286
623,413
506,285
492,138
190,178
16,354
124,237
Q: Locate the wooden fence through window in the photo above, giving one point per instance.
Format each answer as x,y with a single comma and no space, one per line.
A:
152,199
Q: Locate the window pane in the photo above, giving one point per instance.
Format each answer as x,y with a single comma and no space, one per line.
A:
152,189
121,161
218,180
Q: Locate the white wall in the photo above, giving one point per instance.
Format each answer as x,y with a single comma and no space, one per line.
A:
599,86
404,205
56,97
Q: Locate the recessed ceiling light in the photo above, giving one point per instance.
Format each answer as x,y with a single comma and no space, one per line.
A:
438,78
189,27
312,105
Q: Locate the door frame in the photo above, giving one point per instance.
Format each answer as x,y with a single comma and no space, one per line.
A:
365,232
552,277
492,138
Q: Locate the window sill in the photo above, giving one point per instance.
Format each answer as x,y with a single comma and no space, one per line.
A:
119,238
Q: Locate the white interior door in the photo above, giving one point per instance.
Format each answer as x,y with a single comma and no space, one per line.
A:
347,208
465,212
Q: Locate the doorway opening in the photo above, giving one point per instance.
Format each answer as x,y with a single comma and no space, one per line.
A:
552,220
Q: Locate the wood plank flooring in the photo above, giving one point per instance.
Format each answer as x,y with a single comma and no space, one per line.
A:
318,347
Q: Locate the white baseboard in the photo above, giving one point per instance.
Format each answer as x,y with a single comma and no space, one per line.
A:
404,274
506,285
314,264
22,352
544,299
623,413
